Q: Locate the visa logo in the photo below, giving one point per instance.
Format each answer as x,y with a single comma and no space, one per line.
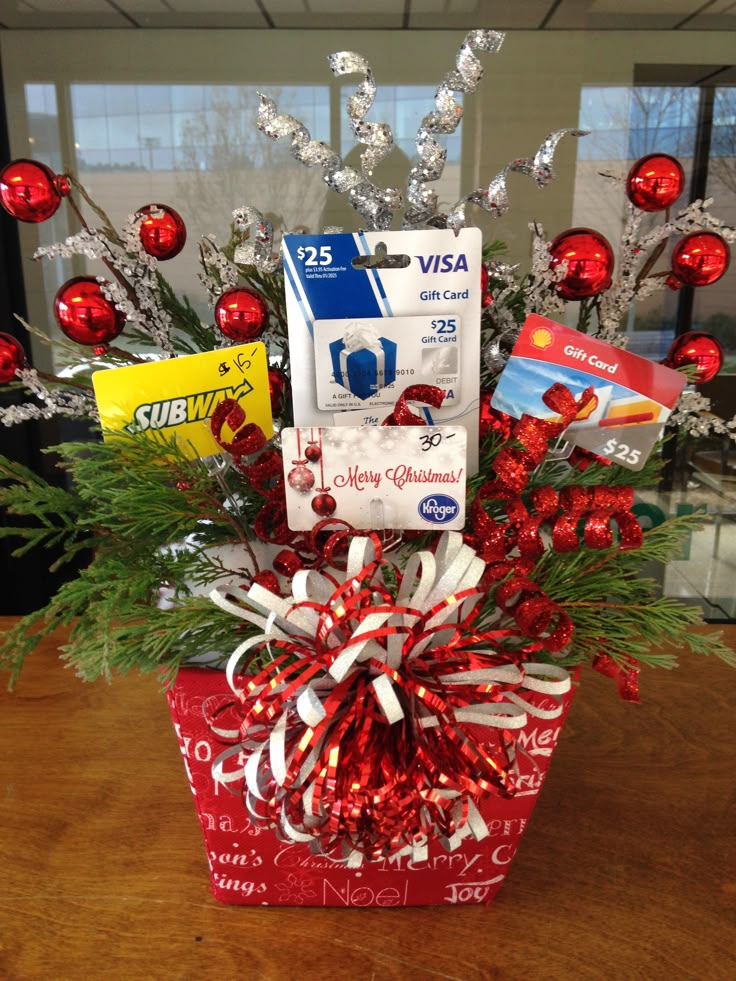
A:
449,263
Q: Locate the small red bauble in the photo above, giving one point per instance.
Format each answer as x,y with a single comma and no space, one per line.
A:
12,357
84,314
697,350
301,479
324,505
589,263
313,453
162,232
278,387
30,191
287,563
655,182
485,297
700,258
268,580
241,314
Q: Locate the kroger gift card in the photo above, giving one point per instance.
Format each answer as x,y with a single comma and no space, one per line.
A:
367,363
632,399
376,476
177,397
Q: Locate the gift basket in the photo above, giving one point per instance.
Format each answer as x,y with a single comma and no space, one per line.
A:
372,521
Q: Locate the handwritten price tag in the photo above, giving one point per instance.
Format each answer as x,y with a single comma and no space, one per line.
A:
409,477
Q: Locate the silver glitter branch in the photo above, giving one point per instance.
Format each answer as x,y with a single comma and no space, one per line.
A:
76,404
376,137
494,199
375,204
444,120
258,250
635,251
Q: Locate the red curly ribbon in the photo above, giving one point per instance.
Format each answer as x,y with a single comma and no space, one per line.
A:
402,415
627,678
248,439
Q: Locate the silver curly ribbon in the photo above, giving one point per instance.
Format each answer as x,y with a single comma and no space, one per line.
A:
376,137
375,204
494,198
258,250
445,119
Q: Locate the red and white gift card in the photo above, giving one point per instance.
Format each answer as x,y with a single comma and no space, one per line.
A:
633,397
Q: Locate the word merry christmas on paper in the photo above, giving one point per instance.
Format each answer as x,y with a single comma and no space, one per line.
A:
409,477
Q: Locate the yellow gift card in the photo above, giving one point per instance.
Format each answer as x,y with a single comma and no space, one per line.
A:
177,397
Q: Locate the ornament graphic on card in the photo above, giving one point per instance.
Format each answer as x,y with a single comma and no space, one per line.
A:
177,397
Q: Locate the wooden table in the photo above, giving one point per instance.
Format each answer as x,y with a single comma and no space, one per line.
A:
628,869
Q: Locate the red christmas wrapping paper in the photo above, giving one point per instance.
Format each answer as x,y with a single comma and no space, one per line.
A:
251,866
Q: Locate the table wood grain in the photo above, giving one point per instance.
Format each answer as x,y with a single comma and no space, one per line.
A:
627,871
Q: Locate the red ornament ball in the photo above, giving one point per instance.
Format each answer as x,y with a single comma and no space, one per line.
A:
30,191
84,314
313,453
12,357
700,258
241,314
162,232
324,505
655,182
278,387
696,350
589,263
301,479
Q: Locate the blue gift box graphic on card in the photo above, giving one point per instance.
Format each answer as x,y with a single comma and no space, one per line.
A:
363,362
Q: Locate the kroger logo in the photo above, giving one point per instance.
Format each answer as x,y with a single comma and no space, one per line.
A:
438,508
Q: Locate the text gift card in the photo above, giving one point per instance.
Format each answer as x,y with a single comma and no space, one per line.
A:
376,477
633,397
177,397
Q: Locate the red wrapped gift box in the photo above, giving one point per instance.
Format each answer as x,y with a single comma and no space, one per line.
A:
250,865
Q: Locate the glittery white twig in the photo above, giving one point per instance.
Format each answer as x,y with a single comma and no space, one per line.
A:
73,403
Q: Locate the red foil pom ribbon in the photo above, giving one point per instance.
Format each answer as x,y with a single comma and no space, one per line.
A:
402,415
384,716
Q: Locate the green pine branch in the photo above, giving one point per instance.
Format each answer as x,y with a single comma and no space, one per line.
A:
55,516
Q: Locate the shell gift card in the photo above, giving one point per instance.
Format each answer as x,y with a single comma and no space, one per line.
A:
177,397
376,476
632,399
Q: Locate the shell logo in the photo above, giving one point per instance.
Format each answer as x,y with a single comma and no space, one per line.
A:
587,411
541,337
